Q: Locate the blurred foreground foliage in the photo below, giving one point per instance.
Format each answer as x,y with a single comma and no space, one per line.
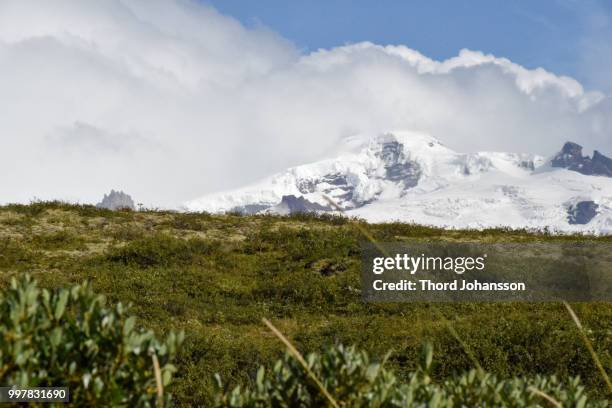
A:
355,381
71,338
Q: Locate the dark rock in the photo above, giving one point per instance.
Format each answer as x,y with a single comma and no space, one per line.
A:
336,179
307,186
340,182
250,209
392,152
117,200
602,165
293,204
582,212
335,184
571,158
397,167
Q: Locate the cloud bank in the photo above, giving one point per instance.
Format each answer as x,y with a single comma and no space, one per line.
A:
169,100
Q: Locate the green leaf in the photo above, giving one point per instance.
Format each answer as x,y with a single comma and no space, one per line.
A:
128,326
61,304
166,377
426,356
259,381
56,337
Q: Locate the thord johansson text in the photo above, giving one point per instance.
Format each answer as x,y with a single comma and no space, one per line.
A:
456,285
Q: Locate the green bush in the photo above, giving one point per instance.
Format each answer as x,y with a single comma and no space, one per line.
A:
354,381
70,338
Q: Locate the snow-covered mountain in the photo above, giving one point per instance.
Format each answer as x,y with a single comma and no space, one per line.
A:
412,177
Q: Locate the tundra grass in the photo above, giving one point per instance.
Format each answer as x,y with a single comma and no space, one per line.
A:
217,276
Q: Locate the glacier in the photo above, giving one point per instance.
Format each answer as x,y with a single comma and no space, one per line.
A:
412,177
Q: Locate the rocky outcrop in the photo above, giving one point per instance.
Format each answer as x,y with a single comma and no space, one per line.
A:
527,164
250,209
602,165
397,166
571,158
117,200
291,204
582,212
336,184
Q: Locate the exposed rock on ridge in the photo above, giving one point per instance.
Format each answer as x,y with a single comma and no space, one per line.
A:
571,158
117,200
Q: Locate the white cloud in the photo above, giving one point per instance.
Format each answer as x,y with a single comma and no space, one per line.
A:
169,100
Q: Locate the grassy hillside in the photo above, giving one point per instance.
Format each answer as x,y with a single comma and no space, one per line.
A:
216,276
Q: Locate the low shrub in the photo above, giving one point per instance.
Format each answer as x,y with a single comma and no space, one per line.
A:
71,338
161,250
61,239
304,245
13,254
190,221
328,218
353,380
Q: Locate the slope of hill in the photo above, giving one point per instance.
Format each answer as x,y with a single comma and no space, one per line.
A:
216,276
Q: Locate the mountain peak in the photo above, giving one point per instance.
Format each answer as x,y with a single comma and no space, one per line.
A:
570,157
412,177
116,200
410,141
572,148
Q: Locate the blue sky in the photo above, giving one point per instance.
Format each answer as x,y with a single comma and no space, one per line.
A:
567,37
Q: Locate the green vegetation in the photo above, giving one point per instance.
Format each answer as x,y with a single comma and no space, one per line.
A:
355,381
215,277
70,338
